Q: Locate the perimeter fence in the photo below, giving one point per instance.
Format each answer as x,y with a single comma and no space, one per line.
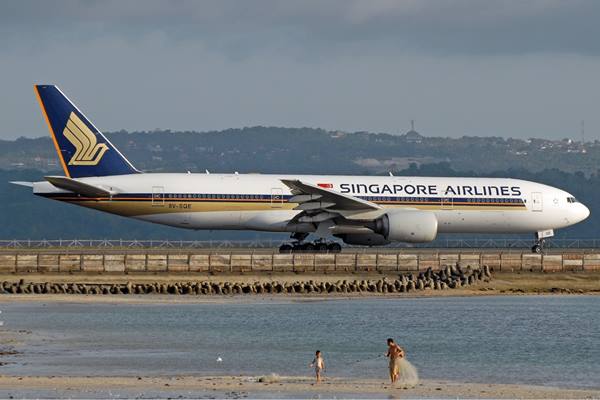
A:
474,243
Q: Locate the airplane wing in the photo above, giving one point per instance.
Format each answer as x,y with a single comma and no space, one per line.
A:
319,204
78,187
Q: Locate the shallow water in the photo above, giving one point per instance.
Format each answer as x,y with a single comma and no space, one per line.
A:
548,340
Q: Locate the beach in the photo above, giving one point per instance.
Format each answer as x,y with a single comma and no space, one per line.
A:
503,346
518,335
236,387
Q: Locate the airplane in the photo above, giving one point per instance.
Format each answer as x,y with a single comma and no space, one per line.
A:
359,210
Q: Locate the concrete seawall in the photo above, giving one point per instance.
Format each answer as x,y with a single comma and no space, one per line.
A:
223,262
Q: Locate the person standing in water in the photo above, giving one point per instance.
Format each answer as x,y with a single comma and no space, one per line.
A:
319,365
394,353
400,368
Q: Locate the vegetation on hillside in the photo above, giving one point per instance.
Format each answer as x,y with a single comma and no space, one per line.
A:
307,150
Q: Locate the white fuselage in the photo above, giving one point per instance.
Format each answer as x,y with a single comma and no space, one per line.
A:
260,202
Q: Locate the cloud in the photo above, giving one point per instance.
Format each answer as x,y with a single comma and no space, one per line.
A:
510,68
313,27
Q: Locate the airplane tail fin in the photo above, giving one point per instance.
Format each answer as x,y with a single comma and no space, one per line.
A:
82,149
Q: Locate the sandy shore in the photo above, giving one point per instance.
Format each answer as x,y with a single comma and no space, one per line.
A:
279,387
559,283
237,387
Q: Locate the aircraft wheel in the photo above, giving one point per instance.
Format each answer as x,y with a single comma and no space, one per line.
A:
308,247
334,247
285,248
321,247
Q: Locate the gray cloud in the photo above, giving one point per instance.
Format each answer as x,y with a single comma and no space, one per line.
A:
509,68
447,27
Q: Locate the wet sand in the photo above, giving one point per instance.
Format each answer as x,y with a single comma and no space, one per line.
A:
280,387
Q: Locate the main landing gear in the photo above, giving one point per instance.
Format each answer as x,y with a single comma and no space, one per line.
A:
318,246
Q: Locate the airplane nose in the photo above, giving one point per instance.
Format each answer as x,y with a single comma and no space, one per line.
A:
583,212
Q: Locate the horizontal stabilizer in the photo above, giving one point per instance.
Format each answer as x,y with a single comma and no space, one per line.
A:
78,187
21,183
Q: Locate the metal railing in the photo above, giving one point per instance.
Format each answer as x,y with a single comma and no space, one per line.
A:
133,244
515,243
474,243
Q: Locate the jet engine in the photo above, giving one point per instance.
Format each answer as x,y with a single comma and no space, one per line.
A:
412,226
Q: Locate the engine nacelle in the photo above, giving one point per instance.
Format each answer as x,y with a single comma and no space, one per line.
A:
363,239
411,226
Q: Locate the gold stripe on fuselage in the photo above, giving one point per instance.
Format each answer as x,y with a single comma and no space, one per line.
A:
136,208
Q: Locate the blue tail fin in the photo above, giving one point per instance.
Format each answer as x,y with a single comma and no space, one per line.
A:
82,149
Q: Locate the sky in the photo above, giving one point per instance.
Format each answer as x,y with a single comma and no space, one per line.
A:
526,68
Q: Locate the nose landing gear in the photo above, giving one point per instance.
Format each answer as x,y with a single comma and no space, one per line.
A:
540,240
538,248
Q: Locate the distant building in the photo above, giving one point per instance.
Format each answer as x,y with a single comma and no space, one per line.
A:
413,136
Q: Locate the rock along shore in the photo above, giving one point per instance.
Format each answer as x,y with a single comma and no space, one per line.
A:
450,277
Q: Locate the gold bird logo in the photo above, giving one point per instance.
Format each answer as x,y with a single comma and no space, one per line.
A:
87,149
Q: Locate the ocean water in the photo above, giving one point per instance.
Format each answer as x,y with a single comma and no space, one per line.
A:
544,340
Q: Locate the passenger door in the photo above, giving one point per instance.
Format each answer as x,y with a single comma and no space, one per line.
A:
447,203
158,196
537,201
276,198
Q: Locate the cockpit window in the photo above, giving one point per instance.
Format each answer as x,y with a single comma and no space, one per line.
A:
571,200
